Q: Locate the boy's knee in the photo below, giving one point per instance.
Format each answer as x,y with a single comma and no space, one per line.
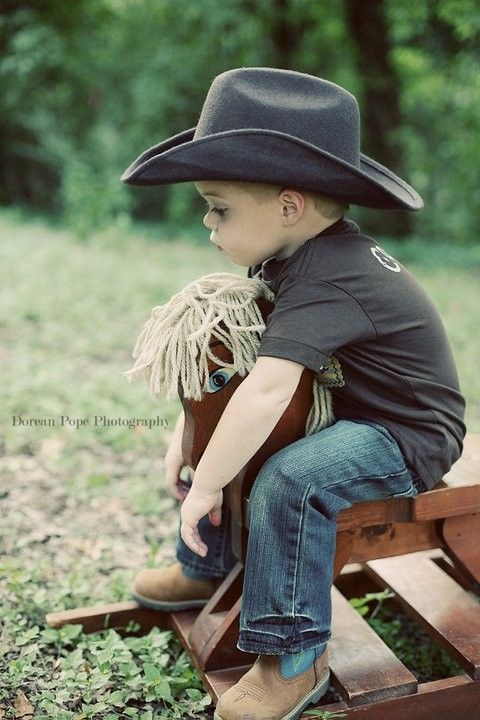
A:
277,478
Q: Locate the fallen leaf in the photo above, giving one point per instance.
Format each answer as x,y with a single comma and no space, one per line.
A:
23,706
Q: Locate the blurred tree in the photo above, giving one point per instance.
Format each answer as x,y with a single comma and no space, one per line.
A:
379,100
57,148
87,85
435,50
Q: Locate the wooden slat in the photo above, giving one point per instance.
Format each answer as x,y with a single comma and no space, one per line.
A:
353,581
216,682
112,615
182,622
448,613
379,541
441,502
365,670
456,698
447,502
376,512
461,536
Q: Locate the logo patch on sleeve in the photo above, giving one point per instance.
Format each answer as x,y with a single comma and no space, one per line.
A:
386,260
331,374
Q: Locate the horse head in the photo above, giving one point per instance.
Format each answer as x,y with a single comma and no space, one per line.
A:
202,344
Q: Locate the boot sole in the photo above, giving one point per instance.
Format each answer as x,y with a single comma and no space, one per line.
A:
167,604
312,697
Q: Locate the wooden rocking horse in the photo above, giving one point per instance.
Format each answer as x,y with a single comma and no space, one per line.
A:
426,549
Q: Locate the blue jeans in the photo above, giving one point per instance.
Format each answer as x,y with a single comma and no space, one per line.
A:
294,501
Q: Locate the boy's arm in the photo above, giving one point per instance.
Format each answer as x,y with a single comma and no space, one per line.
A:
247,421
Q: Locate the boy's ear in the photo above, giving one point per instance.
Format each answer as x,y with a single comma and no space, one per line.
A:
292,205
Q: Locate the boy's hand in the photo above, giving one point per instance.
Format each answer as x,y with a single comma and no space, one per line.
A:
173,462
173,465
194,507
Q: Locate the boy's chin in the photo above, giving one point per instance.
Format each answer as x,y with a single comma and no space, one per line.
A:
243,263
240,263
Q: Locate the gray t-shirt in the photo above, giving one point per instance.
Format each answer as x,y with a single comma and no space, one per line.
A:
340,294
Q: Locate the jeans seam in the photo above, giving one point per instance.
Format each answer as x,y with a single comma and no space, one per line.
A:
364,477
298,547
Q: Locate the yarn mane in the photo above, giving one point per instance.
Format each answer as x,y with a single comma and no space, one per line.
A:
173,347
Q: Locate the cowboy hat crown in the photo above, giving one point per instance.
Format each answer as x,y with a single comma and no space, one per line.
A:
281,127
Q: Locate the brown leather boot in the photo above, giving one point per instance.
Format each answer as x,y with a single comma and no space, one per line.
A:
168,588
264,694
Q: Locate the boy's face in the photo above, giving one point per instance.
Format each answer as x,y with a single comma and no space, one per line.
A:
247,230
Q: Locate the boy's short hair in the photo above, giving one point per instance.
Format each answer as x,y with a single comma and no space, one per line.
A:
329,207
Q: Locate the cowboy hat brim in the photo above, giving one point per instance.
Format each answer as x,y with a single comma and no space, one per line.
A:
256,155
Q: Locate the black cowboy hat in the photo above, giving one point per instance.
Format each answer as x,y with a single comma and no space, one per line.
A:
281,127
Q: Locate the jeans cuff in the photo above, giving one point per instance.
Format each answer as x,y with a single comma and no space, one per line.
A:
197,571
253,642
195,575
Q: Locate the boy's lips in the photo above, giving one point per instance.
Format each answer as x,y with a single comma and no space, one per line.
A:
219,247
216,245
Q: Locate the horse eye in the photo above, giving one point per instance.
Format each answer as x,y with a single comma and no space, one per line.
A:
219,379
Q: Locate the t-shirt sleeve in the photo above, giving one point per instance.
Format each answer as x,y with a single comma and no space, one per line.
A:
310,320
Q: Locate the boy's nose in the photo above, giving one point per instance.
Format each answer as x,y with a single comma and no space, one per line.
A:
207,221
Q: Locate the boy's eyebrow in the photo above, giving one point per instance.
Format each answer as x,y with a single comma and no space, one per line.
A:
213,194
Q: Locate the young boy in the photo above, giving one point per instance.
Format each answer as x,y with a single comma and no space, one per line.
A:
276,156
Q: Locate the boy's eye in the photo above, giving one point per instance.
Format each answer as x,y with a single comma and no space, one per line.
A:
219,211
219,379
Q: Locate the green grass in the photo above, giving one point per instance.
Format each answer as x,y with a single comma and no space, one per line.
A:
70,313
83,506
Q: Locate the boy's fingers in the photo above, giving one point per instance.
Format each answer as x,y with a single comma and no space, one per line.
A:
197,547
174,483
195,543
215,517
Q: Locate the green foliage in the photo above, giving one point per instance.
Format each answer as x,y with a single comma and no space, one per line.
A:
424,658
67,674
92,197
362,605
87,86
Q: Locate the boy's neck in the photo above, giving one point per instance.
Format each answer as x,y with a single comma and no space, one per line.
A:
317,226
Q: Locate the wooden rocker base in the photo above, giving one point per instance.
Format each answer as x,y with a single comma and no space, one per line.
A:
373,683
425,549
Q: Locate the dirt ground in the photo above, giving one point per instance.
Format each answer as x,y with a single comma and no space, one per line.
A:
100,520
